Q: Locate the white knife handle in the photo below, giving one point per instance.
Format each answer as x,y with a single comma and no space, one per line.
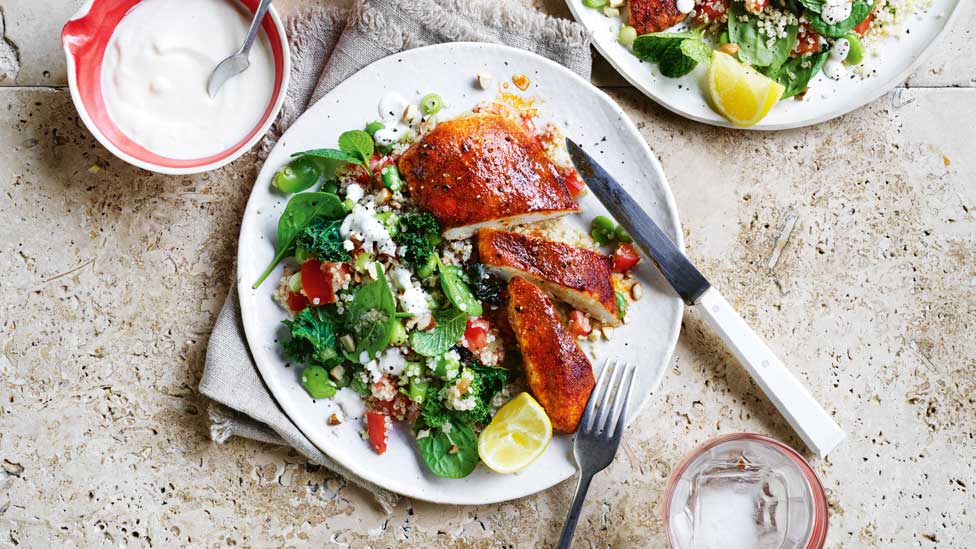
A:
814,425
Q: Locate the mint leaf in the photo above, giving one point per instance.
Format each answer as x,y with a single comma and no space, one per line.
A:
697,50
450,325
358,144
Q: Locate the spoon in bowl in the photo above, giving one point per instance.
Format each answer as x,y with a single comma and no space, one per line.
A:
238,62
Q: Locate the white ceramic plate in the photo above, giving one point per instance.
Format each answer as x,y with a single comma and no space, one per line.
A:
585,114
827,99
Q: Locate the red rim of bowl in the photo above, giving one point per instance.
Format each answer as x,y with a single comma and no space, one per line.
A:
85,38
818,533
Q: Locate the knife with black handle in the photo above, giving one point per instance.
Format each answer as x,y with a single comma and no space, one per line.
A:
814,425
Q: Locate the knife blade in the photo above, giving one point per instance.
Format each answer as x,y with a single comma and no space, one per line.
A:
676,268
814,425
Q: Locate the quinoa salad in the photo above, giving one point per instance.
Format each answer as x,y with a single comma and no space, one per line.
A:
789,41
396,326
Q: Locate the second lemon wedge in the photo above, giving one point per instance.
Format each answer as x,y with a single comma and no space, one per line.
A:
738,92
518,434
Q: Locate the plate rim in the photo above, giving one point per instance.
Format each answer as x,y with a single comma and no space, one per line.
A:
890,84
666,196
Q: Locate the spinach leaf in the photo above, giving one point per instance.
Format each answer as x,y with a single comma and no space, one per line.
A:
321,238
796,73
313,338
668,50
457,291
371,315
450,325
300,210
453,454
859,12
755,48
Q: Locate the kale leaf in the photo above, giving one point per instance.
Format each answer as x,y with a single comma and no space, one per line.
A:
313,338
321,238
487,382
486,287
418,233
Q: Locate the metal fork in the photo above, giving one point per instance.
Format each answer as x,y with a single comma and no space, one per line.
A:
598,436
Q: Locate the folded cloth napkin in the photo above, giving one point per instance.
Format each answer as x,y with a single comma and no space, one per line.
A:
328,46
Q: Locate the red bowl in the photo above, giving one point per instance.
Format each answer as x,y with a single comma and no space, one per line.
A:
85,38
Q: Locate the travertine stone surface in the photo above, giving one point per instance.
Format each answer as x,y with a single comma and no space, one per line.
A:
110,278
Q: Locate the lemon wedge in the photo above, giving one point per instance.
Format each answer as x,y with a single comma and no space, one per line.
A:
518,434
738,92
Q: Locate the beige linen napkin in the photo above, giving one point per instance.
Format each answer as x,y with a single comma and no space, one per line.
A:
328,46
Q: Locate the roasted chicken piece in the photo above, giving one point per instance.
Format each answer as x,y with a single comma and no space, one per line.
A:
653,15
558,372
484,170
576,276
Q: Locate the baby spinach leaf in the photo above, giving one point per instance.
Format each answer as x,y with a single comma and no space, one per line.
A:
755,48
859,12
668,50
370,315
457,291
453,454
812,5
450,325
796,73
300,210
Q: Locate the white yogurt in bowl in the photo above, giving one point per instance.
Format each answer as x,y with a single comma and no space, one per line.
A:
155,70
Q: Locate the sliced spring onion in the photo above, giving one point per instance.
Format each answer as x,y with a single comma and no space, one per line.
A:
595,4
295,282
611,12
621,304
391,178
620,234
627,35
431,104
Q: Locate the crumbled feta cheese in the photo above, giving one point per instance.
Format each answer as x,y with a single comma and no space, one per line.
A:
414,301
392,362
355,192
401,278
373,368
364,357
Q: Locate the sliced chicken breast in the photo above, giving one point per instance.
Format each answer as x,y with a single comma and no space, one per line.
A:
484,170
653,15
576,276
557,370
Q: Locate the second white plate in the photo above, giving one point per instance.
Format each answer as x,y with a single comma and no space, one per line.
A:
827,99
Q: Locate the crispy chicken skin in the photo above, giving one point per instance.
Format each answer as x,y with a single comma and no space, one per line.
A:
484,170
558,372
573,275
653,15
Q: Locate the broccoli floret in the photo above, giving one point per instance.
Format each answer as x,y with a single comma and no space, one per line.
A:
321,238
418,233
312,337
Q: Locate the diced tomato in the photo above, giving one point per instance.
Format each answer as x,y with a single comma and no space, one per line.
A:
296,301
756,6
579,324
625,257
316,284
376,164
377,425
710,11
807,41
573,182
339,273
863,26
476,334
